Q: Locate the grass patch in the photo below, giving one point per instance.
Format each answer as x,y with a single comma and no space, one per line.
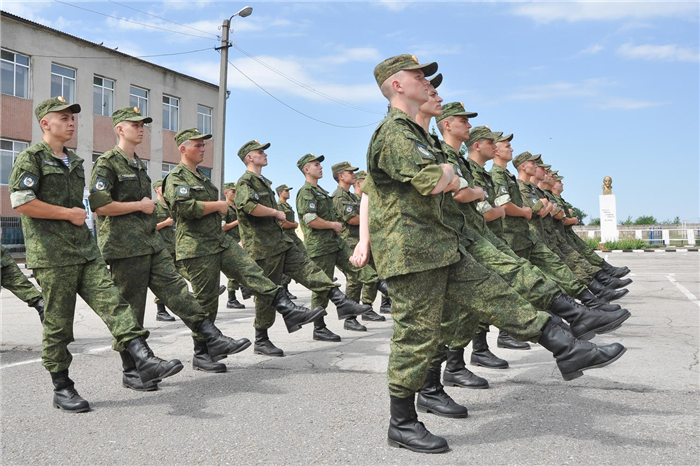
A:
626,244
592,242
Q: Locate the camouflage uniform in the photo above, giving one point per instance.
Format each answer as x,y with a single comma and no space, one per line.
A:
204,249
428,270
232,216
266,242
130,244
64,257
325,247
12,278
291,217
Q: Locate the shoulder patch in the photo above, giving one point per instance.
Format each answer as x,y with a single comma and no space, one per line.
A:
348,208
100,184
504,189
312,206
424,151
183,191
256,196
28,181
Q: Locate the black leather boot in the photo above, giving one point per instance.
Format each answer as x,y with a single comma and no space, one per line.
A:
606,294
245,293
130,378
222,289
586,323
592,301
39,306
150,367
345,306
373,316
232,302
201,361
559,321
457,375
286,291
385,306
405,431
322,333
617,272
508,342
382,287
482,356
219,345
575,356
162,315
433,399
612,282
295,316
264,346
353,325
65,396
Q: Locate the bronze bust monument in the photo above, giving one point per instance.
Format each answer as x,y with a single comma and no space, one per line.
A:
607,185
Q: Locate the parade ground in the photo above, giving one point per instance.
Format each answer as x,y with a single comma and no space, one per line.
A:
327,403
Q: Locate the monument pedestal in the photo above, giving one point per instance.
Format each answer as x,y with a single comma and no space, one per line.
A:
608,218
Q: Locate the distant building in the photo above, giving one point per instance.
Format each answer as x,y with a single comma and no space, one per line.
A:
39,62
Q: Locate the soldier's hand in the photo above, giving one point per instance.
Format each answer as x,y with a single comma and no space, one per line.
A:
222,207
76,216
453,186
360,256
168,222
528,213
544,200
337,227
480,192
279,215
501,211
147,205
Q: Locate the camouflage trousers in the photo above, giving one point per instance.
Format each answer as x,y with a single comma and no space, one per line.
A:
553,267
180,269
354,288
429,308
583,270
486,298
297,265
92,282
135,275
204,274
232,285
584,249
341,259
12,279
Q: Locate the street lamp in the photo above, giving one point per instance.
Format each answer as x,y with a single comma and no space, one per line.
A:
220,136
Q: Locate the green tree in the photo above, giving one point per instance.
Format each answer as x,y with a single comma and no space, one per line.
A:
595,222
580,215
627,222
645,220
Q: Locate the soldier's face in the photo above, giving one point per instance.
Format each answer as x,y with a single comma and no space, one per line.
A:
347,177
504,151
487,148
540,174
358,185
258,158
131,131
559,186
59,125
530,168
414,85
230,194
314,169
194,151
433,106
459,127
284,194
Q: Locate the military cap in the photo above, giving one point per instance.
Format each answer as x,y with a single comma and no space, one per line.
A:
54,104
343,166
537,158
189,133
129,114
229,186
308,158
361,175
558,178
436,80
507,137
545,166
282,187
482,132
522,158
393,65
250,146
454,109
157,183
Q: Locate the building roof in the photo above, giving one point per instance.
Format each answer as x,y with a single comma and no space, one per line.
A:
102,48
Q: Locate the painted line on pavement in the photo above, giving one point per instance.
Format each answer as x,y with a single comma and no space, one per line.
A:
102,349
672,278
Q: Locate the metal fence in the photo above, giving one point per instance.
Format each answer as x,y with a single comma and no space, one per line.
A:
654,235
12,236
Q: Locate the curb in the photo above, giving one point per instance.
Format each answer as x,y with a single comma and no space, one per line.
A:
650,250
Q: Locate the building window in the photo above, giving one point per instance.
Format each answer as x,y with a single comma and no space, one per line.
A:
204,119
139,98
95,156
103,96
171,113
63,82
9,150
207,171
167,168
15,74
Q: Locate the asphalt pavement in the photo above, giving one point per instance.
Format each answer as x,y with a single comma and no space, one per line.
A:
327,403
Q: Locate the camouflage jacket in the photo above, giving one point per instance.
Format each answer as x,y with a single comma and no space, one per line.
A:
117,178
197,235
291,217
407,225
516,230
232,216
38,174
162,213
347,206
5,257
532,198
482,178
262,236
314,201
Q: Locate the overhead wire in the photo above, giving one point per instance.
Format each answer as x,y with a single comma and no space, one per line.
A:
294,109
164,19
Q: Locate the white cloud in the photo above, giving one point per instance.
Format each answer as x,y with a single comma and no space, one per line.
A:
361,54
425,52
546,12
592,50
395,5
561,89
671,52
620,103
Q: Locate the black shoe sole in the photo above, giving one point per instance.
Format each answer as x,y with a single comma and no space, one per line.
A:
237,350
579,373
82,410
262,353
517,348
396,444
474,387
355,329
478,364
329,341
217,371
235,307
150,388
163,319
425,409
373,319
612,326
314,317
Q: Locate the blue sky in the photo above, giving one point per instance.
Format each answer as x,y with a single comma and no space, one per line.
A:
599,88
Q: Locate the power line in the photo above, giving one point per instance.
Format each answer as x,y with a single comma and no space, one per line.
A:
164,19
130,21
305,86
133,56
294,109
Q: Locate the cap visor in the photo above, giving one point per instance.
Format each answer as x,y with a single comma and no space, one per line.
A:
320,158
429,69
75,108
436,81
201,136
141,118
264,146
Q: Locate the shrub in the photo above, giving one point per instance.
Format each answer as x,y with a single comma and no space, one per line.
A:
592,242
645,220
595,222
626,244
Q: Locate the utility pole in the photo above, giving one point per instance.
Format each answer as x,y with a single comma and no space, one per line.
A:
220,135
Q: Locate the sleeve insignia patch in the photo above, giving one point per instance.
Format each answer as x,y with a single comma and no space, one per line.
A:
28,181
504,190
348,208
183,191
256,196
424,151
100,184
312,206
